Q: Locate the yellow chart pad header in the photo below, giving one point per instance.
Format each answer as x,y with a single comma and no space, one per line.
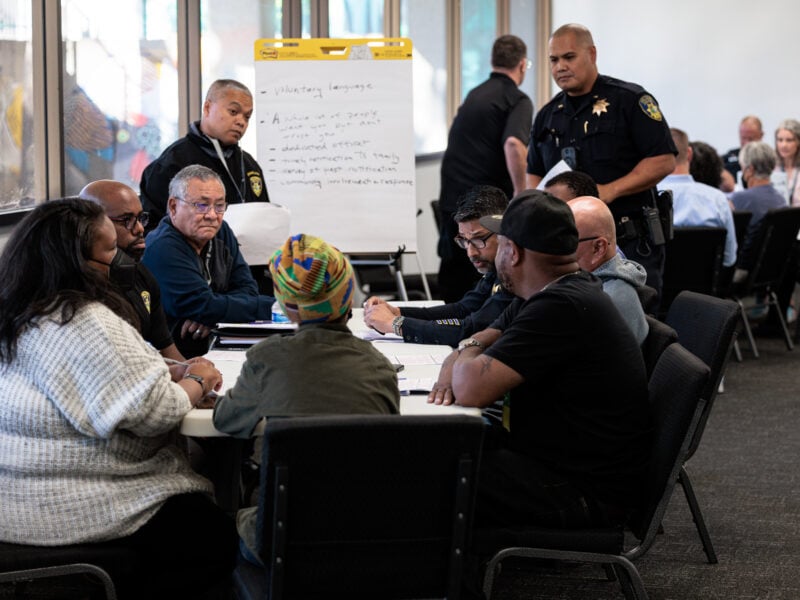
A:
333,49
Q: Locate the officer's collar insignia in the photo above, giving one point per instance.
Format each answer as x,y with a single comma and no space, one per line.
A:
255,183
496,288
600,106
648,105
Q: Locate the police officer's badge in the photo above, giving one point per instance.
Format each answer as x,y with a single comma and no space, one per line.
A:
648,104
146,300
255,183
600,106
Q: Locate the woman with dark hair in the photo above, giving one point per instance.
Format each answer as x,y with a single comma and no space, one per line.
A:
88,450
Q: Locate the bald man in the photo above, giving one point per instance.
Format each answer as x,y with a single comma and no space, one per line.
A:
597,253
750,130
132,279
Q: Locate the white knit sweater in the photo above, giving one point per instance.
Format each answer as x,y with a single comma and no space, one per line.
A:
87,440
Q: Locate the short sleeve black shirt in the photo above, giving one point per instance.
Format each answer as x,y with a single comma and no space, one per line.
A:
611,129
582,408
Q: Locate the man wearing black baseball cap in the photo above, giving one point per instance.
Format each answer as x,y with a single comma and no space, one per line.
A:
578,429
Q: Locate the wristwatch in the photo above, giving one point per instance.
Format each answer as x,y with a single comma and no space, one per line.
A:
198,379
468,343
397,325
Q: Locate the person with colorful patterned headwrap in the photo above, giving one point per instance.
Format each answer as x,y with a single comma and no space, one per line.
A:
320,369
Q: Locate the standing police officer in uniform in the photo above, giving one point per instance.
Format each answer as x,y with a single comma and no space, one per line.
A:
614,131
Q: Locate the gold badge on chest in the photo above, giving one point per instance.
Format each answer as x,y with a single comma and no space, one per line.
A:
600,106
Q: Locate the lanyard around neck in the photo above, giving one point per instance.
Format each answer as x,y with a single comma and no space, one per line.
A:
218,148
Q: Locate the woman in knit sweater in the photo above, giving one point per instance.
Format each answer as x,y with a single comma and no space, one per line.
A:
88,415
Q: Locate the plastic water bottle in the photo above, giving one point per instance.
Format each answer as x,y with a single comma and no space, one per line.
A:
277,313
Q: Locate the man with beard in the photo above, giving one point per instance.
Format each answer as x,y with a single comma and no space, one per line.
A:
449,323
132,278
578,427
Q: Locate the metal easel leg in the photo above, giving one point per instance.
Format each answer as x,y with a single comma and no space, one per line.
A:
423,277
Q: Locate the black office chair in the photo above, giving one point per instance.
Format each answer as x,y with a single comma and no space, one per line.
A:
79,569
767,257
364,507
693,262
706,326
659,336
741,219
676,402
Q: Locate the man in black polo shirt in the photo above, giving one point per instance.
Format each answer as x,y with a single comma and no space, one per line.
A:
132,278
572,375
614,131
487,145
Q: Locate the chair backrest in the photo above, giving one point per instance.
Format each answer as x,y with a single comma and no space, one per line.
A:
367,506
659,336
770,250
706,327
693,262
741,219
437,214
676,403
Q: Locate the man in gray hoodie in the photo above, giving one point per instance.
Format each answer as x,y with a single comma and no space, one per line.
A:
597,253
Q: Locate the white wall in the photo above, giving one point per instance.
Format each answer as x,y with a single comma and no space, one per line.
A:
708,63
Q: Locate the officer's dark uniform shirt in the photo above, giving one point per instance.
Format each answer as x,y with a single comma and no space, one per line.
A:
612,128
491,113
731,161
145,298
244,183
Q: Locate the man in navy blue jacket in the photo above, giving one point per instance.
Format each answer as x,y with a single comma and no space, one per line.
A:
450,323
195,257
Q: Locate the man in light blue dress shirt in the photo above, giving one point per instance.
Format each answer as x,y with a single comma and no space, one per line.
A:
697,204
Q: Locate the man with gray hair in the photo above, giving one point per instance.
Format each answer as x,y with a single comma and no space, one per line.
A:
195,257
212,141
757,160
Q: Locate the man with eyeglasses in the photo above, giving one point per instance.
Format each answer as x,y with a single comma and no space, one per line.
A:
133,279
487,145
195,257
450,323
597,254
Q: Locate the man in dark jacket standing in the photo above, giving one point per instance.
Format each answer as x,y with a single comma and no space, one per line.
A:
213,142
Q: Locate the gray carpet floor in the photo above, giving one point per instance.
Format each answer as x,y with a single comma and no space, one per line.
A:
746,475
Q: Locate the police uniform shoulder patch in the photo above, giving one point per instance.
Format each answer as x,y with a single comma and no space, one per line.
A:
255,183
146,300
649,106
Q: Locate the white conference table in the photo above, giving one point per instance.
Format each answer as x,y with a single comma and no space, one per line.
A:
421,364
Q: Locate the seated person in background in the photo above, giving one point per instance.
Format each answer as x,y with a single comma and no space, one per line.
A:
131,277
750,130
87,444
696,204
597,254
706,165
757,160
213,141
578,421
321,369
195,257
571,184
449,323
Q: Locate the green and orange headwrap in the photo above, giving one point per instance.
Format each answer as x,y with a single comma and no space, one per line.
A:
313,281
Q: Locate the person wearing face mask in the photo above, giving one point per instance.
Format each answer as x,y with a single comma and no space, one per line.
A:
88,452
451,323
213,141
132,278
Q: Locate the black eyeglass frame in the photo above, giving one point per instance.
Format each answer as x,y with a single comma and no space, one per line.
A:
479,243
129,221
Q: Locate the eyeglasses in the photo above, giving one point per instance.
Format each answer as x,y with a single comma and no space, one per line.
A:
203,207
479,243
589,239
129,221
